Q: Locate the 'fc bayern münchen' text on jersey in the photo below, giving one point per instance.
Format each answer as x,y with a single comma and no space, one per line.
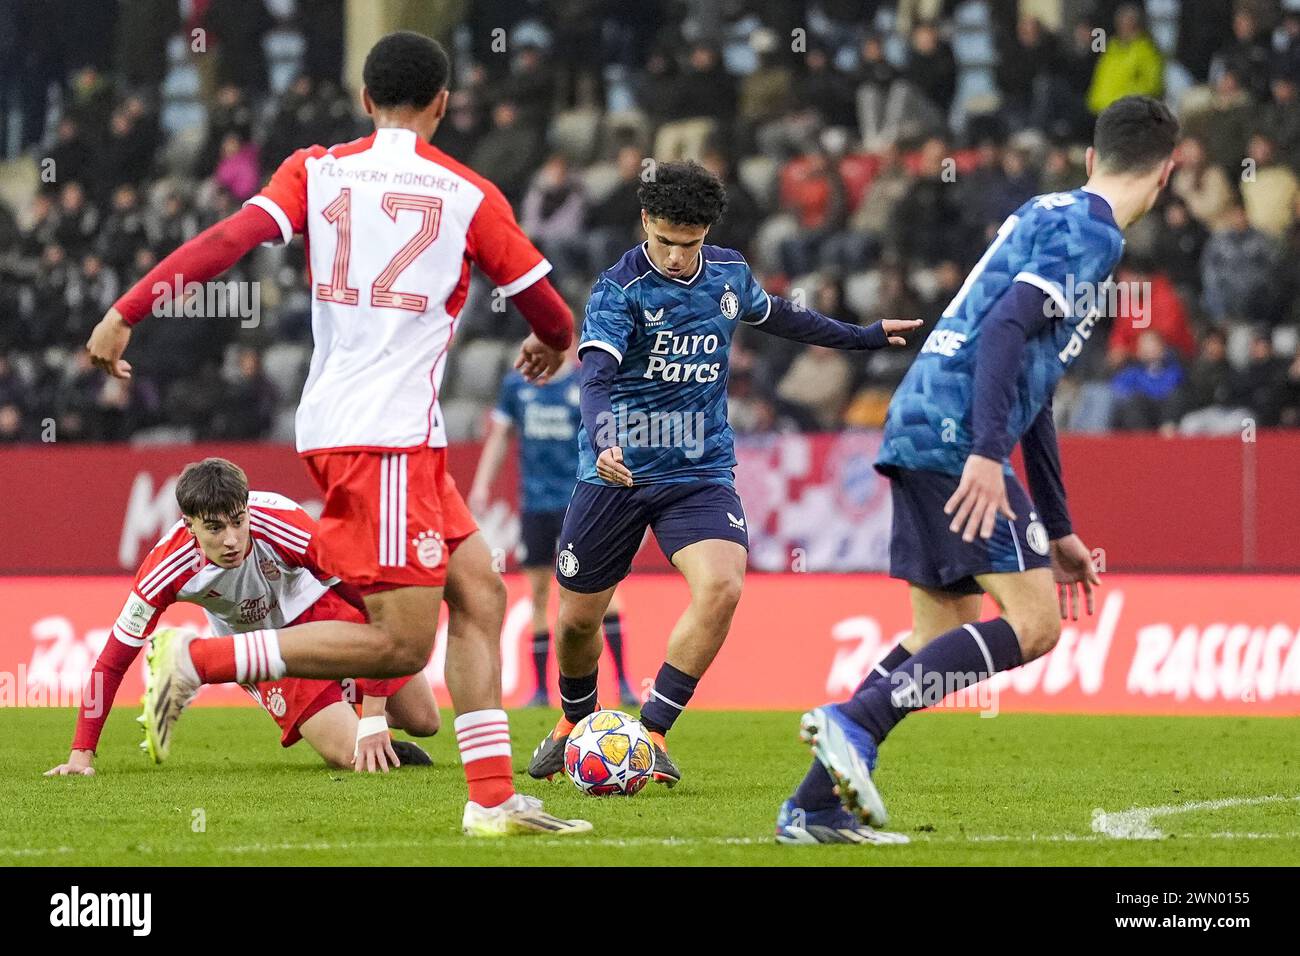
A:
671,338
1065,244
392,225
547,418
278,580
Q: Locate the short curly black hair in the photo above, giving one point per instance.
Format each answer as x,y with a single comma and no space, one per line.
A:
686,194
405,69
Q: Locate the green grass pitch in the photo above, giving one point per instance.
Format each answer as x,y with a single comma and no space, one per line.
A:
1017,789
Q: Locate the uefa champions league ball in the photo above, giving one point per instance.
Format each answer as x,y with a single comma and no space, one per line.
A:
609,753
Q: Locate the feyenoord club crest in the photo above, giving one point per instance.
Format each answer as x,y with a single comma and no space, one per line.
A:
567,563
730,304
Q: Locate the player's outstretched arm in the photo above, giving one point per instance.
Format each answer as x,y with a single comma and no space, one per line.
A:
799,324
204,257
96,701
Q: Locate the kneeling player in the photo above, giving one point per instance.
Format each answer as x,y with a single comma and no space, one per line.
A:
655,446
250,561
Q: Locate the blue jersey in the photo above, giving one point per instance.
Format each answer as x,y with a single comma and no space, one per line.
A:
547,418
1067,245
672,338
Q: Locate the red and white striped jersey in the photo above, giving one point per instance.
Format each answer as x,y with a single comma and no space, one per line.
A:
392,224
278,580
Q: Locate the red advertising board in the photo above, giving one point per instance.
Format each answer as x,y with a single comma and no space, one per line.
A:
1157,645
813,502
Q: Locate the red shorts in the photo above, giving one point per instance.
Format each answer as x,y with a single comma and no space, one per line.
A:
292,701
390,519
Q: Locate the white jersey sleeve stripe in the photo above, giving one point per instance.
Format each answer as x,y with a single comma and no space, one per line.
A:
281,219
603,346
288,530
165,567
276,538
174,569
528,278
1053,291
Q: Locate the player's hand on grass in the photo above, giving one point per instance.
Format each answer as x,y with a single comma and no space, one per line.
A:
537,360
1072,571
375,754
979,498
896,329
610,467
107,343
80,762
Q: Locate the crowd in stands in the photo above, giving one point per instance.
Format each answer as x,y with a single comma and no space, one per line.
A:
866,172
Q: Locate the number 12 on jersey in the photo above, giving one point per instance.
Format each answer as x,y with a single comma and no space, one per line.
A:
339,214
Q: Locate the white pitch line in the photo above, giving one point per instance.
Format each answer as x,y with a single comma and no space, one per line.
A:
626,842
1137,823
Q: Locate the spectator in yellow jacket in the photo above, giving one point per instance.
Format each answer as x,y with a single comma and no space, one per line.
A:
1130,64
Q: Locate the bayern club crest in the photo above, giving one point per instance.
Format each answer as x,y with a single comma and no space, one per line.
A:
730,304
275,702
428,548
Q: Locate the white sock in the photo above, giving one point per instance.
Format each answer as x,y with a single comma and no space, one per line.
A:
257,657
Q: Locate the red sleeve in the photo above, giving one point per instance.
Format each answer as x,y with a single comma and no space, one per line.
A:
499,247
207,255
546,313
130,633
285,196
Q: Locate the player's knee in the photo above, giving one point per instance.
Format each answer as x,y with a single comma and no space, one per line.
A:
1038,632
575,625
423,725
337,756
719,595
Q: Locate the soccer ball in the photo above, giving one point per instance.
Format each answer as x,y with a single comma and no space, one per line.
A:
609,753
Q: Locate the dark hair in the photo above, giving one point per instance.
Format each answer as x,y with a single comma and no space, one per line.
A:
212,488
405,69
1134,134
686,194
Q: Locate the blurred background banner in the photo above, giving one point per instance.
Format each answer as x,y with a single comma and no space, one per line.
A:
813,502
1158,644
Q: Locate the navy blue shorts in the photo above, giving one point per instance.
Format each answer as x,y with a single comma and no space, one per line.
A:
605,525
538,532
923,551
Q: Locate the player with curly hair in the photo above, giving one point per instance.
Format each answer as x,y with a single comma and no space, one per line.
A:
655,447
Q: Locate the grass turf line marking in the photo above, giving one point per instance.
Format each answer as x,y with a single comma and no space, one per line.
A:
628,842
1136,823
